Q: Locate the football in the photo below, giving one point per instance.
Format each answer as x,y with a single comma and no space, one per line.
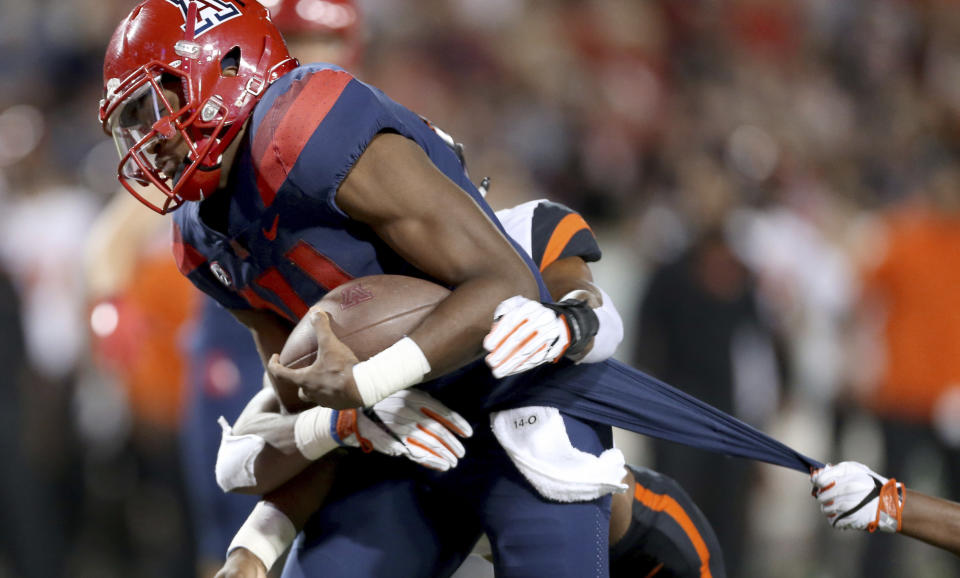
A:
367,314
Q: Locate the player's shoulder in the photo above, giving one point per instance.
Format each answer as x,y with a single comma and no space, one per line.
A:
295,94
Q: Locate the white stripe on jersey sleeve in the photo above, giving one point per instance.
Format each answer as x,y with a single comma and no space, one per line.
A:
518,222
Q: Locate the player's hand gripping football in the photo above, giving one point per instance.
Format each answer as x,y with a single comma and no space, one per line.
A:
242,563
328,381
525,334
852,496
413,424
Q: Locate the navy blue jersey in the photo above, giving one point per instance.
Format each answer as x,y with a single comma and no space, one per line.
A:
287,243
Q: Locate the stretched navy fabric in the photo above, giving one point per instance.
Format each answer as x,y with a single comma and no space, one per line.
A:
621,396
286,243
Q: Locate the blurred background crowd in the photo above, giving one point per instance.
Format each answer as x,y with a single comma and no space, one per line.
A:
775,185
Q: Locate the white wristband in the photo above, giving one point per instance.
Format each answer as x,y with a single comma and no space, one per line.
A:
397,367
267,533
313,432
609,333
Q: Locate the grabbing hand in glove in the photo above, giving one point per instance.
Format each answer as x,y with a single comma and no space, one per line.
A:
413,424
528,333
851,495
408,423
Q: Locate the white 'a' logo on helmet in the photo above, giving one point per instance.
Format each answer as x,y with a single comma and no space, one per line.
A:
210,13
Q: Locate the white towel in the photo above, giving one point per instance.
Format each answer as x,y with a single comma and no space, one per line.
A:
536,440
236,457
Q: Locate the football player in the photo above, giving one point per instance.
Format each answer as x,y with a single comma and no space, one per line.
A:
305,178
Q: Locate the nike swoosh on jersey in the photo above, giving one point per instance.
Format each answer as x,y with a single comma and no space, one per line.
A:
271,233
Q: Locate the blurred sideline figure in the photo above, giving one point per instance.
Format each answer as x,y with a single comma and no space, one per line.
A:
910,324
701,329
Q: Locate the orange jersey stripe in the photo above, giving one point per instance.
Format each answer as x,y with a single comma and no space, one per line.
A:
565,230
664,503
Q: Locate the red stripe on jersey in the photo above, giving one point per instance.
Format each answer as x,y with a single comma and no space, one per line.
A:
186,256
564,231
258,302
272,280
290,124
318,266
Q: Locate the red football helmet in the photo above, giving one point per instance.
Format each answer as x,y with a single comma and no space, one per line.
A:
180,78
336,18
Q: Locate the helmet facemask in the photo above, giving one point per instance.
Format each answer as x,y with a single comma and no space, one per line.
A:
160,141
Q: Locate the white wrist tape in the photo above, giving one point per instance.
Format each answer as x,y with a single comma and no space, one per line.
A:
314,432
397,367
610,333
267,533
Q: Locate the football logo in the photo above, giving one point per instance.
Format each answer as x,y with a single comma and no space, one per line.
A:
354,296
210,13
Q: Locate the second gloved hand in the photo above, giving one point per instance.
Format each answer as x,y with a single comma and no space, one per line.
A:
409,423
525,334
852,496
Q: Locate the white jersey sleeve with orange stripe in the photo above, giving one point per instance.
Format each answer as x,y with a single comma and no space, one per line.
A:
549,231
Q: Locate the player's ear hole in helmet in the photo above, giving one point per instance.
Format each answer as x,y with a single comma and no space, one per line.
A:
230,63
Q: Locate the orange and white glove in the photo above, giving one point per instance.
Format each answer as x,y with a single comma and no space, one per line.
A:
852,496
408,423
525,334
413,424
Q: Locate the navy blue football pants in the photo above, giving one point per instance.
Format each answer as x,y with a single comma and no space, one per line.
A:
389,517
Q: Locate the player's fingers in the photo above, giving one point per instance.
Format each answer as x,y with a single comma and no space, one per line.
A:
320,321
513,351
281,371
507,333
522,361
424,439
514,325
422,455
450,419
509,305
443,436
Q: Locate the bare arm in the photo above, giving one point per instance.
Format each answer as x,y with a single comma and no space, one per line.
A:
572,274
932,520
438,228
269,333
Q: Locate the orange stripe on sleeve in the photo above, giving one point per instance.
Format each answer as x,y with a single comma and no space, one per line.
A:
664,503
564,231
